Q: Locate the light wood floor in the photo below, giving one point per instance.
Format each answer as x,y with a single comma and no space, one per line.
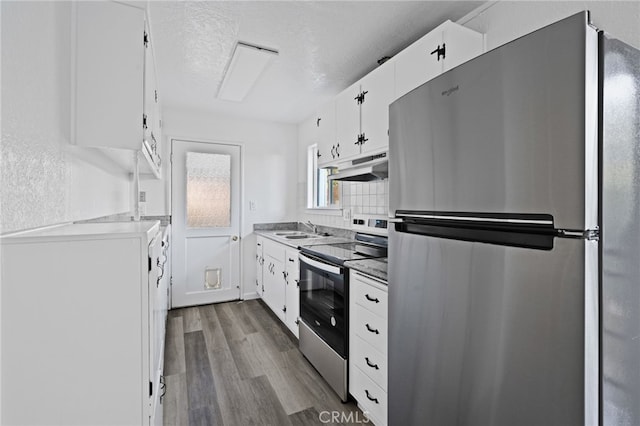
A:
236,364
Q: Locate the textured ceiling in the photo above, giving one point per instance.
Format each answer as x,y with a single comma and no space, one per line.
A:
324,47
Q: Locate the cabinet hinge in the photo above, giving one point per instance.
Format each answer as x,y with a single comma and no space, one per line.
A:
155,95
360,98
150,388
144,121
149,258
145,39
440,51
171,280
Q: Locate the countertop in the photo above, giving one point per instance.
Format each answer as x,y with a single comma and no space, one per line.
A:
376,268
296,243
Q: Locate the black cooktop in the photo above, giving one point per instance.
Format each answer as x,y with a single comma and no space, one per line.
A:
365,247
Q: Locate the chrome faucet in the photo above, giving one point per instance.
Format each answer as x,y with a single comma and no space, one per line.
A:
311,226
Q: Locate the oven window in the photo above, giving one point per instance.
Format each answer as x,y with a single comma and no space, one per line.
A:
323,305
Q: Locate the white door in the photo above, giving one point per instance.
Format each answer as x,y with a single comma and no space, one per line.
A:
205,209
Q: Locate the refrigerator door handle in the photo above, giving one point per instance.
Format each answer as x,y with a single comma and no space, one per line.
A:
542,220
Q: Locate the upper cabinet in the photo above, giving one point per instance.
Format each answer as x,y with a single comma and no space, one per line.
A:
151,119
325,123
362,114
356,123
114,90
446,47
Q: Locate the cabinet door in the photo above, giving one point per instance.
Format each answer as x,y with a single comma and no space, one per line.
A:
292,296
378,89
461,43
259,266
348,122
326,133
107,97
416,64
274,286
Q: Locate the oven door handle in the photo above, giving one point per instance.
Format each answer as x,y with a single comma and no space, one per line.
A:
320,265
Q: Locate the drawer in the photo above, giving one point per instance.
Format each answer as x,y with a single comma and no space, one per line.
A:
371,361
371,398
273,249
370,327
369,296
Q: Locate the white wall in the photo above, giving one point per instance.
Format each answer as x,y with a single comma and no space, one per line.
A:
43,182
270,171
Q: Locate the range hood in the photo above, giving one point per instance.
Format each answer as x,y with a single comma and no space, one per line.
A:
365,169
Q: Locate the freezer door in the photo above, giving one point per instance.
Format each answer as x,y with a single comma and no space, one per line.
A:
483,334
511,131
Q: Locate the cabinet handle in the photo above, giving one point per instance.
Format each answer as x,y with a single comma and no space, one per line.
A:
333,152
284,275
291,260
370,397
284,309
259,244
338,150
297,321
364,139
371,364
372,330
370,299
318,122
318,154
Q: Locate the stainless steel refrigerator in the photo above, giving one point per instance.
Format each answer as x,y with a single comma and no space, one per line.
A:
514,260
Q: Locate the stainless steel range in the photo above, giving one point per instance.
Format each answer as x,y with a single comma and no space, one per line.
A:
324,284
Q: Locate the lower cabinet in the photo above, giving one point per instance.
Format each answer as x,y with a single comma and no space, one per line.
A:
368,345
278,271
85,329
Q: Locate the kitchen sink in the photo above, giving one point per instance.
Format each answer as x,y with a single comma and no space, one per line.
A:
289,233
298,237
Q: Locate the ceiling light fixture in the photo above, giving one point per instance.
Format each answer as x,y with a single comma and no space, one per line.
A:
246,65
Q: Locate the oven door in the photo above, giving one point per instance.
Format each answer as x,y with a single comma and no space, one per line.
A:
323,301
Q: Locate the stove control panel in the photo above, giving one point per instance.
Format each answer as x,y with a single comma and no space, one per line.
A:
370,224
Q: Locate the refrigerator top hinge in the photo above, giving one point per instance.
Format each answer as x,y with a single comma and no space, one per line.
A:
592,235
589,235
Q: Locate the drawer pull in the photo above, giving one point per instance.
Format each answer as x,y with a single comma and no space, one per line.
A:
370,397
370,364
371,299
372,330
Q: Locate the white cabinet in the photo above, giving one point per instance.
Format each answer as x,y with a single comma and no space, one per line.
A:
274,285
278,268
326,134
109,71
152,121
82,345
114,84
259,264
362,114
292,290
446,47
368,345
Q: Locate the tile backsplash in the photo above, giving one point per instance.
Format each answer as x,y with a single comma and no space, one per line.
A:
370,198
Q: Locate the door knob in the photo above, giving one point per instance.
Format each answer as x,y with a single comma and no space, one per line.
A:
234,238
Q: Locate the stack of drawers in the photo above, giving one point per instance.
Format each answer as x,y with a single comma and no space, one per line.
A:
368,345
